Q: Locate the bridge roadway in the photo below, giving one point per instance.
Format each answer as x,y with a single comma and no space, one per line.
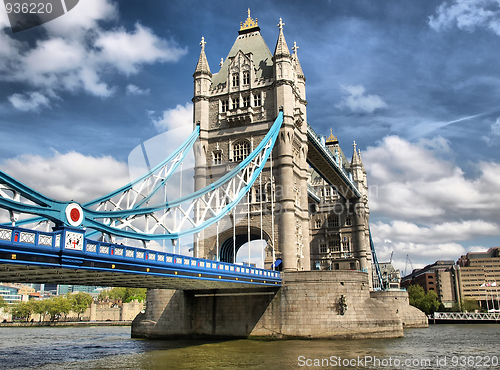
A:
65,256
325,163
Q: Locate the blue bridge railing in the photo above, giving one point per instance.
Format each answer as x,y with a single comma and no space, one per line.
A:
75,248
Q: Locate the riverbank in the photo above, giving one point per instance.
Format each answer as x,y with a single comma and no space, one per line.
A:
64,323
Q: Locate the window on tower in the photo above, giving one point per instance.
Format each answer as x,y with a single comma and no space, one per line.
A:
328,191
246,101
224,106
246,78
217,155
257,100
348,221
236,79
241,149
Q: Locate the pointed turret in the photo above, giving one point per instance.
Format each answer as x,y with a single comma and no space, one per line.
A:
202,66
296,63
356,160
358,170
202,82
281,49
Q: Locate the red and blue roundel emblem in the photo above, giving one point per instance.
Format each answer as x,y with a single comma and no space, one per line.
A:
74,214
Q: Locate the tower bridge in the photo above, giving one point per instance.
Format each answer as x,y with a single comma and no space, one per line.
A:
260,173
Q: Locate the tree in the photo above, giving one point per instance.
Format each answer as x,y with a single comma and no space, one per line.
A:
80,302
42,308
426,302
124,294
469,305
2,302
58,306
22,310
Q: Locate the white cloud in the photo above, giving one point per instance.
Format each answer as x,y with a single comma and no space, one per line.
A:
410,182
432,206
403,231
357,101
136,90
78,53
31,101
127,51
468,15
71,176
178,117
419,254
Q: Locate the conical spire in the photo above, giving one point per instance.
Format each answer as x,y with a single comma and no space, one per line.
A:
356,158
296,63
281,46
202,66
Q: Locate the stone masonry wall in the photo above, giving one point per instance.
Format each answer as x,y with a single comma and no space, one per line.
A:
399,304
306,306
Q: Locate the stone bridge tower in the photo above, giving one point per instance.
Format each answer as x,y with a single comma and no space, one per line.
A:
235,108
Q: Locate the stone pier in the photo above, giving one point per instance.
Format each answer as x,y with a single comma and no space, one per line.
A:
310,304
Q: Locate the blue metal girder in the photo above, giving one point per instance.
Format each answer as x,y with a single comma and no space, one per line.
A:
25,247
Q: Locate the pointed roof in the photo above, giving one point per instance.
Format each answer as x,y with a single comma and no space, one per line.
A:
296,63
281,46
356,157
202,66
249,41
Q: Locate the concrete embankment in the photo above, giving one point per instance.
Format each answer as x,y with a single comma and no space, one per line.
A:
65,323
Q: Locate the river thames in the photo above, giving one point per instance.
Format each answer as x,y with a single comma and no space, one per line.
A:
437,347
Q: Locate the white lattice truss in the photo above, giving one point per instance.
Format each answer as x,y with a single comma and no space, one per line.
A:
467,315
185,215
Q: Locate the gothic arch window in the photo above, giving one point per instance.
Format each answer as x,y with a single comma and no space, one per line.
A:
235,103
318,223
241,150
224,105
257,100
236,79
217,157
348,221
246,78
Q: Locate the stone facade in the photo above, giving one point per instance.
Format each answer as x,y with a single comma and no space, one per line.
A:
314,304
234,109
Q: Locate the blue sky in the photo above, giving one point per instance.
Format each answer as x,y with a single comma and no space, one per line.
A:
415,83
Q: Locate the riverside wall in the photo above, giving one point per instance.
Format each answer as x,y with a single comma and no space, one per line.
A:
308,305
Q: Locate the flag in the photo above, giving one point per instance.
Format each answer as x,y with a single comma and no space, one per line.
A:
483,284
494,283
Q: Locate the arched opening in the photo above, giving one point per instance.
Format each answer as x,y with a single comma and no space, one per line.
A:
246,252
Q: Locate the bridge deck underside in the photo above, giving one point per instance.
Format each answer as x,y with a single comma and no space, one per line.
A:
329,171
27,266
10,273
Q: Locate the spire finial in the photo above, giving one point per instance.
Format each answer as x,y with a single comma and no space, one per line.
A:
281,24
203,43
332,139
221,62
249,23
354,145
295,48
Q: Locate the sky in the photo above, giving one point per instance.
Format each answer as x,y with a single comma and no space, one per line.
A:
416,84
